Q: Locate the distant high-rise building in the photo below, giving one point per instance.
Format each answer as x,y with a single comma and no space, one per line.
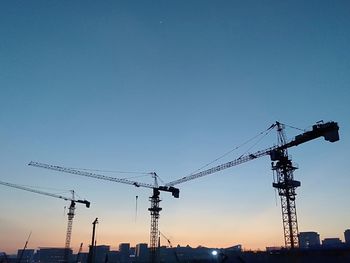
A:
101,254
141,251
347,236
113,257
4,257
132,251
52,255
333,242
309,240
124,251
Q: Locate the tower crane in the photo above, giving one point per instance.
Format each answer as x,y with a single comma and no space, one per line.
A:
24,248
70,214
282,165
154,199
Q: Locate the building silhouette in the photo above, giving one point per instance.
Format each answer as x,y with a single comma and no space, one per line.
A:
309,240
52,255
124,252
333,242
25,256
141,252
311,251
347,236
101,254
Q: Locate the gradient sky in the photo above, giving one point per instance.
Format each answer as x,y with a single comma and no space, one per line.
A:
168,86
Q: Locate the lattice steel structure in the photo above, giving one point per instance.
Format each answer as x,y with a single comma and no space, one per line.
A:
69,229
154,209
286,185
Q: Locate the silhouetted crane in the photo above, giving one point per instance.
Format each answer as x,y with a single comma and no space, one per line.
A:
70,210
155,200
282,165
24,248
171,246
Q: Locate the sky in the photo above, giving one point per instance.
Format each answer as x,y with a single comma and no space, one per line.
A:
167,87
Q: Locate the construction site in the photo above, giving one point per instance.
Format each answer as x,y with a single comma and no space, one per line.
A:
174,131
154,252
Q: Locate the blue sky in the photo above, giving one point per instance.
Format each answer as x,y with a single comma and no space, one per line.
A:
169,86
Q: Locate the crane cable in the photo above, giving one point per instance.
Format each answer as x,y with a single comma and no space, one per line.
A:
293,127
265,132
110,171
141,174
35,187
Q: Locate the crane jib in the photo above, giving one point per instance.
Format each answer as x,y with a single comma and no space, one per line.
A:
87,203
175,191
89,174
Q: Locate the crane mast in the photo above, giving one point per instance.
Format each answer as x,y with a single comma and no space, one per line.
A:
286,186
154,210
70,215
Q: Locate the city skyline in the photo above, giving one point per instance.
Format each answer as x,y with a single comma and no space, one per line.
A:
330,250
310,236
168,87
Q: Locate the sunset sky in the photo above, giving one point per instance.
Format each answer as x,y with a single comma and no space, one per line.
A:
168,87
